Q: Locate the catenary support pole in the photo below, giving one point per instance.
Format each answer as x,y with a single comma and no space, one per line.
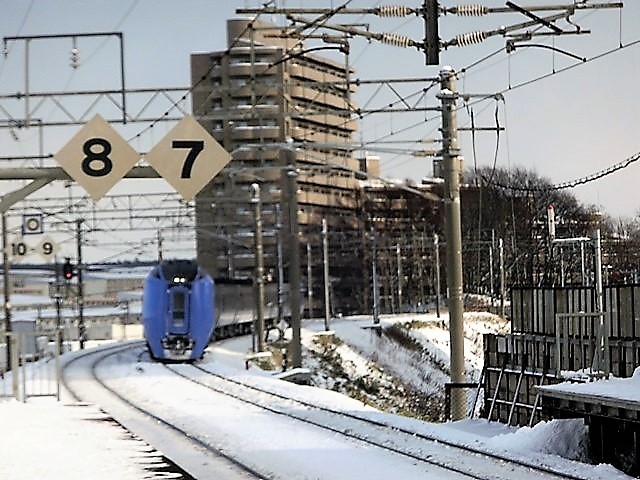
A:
82,334
325,267
309,283
7,288
280,266
259,271
502,281
436,251
452,162
399,265
374,275
294,258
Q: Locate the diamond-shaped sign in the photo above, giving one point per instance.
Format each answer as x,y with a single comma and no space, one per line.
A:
97,157
188,157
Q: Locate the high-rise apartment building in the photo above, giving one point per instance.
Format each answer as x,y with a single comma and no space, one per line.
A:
278,109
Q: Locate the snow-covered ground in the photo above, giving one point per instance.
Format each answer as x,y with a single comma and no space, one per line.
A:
47,439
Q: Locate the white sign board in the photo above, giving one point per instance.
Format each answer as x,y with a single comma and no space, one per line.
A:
97,157
47,249
32,224
19,249
188,157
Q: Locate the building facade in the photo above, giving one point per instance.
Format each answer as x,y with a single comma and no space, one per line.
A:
281,111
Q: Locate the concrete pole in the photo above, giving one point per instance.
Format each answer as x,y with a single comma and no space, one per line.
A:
436,251
399,263
159,233
502,282
309,282
82,333
294,258
452,162
280,265
259,272
374,274
601,360
7,288
491,286
325,266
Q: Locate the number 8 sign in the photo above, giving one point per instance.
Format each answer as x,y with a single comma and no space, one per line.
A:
97,157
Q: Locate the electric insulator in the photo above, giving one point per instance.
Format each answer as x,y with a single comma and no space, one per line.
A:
470,38
396,40
393,11
75,57
471,10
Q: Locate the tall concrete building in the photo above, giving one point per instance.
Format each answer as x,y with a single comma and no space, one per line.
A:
280,110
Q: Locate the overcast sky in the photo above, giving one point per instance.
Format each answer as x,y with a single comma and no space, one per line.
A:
564,127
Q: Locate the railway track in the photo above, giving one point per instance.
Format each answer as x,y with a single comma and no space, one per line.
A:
116,371
436,452
159,432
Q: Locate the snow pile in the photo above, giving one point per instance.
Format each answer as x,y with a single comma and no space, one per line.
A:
566,438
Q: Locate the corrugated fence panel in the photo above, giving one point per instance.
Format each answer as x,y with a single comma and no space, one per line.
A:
636,313
533,310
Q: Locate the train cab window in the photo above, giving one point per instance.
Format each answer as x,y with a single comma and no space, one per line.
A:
178,308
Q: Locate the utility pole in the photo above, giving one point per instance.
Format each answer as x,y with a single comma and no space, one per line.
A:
291,176
399,265
502,284
436,251
159,233
452,162
280,265
259,272
309,282
374,274
57,295
7,288
81,327
325,265
430,13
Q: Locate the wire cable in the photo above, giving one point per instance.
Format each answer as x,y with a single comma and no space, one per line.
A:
573,183
22,24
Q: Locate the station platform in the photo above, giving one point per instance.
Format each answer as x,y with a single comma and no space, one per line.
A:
614,398
610,408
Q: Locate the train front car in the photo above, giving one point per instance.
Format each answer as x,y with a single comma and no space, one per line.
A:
177,311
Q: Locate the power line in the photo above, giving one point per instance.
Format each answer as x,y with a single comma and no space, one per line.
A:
573,183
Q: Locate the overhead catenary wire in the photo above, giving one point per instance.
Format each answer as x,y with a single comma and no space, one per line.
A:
573,183
463,10
194,86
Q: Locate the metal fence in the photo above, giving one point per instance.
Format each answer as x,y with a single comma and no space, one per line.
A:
534,309
30,365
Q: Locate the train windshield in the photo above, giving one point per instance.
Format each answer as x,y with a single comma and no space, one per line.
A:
178,308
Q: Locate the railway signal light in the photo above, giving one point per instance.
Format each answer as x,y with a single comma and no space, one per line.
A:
67,270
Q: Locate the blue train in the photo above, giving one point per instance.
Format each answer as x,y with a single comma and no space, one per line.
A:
178,310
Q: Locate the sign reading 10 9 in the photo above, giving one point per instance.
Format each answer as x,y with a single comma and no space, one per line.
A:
97,157
19,249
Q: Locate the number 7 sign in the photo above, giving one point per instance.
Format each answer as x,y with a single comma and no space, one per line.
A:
188,157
